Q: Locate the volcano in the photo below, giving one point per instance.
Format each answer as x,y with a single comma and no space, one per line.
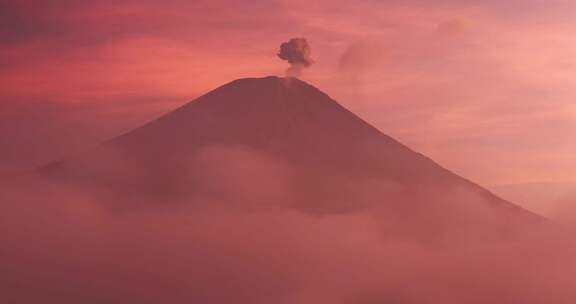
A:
271,142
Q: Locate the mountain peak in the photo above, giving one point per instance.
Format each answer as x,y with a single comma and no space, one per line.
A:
272,80
332,161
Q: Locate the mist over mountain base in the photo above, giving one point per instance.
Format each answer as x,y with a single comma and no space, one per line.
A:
68,247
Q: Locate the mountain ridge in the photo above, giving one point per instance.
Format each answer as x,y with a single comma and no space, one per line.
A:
329,150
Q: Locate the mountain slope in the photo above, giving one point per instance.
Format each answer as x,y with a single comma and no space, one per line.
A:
270,141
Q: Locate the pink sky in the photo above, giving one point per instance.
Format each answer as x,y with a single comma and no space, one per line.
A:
486,88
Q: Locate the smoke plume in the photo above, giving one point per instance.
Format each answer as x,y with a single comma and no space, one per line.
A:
297,52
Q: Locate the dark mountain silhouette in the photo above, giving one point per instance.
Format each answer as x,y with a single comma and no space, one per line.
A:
276,142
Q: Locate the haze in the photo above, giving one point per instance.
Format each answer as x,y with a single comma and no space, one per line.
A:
165,152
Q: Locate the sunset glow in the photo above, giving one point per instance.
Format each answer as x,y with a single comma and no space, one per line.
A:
287,151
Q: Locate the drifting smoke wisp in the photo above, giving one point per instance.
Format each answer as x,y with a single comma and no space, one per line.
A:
297,52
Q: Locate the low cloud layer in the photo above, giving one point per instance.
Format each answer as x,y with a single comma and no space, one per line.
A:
66,244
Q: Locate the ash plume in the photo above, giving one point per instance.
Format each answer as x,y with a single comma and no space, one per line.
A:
297,52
